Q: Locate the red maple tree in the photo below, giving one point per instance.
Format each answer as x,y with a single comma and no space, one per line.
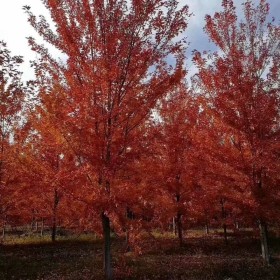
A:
116,70
240,82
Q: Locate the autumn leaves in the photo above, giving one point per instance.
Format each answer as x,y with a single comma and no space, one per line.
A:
116,128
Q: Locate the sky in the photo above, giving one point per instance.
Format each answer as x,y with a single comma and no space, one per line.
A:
14,27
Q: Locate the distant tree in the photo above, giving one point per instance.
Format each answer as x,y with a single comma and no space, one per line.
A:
11,98
175,153
241,82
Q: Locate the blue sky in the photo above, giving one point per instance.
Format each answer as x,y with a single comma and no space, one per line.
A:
14,27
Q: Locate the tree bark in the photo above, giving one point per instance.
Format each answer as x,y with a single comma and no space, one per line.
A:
54,229
179,228
129,216
4,231
42,227
32,220
179,220
107,247
236,225
264,242
174,226
54,218
224,224
206,223
259,181
225,234
127,243
207,229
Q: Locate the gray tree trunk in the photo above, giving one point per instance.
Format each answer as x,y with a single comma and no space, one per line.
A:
224,224
207,229
174,226
107,247
179,228
54,217
264,242
237,226
42,227
3,231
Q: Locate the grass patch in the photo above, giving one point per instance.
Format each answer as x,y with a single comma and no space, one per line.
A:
34,238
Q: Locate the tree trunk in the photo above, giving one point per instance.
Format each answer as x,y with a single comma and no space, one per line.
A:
129,216
4,231
207,229
225,234
32,220
206,223
54,229
264,242
105,219
107,247
54,218
179,218
236,225
174,226
179,228
42,227
224,224
127,244
259,176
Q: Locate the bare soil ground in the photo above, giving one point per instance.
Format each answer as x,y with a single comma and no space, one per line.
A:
202,258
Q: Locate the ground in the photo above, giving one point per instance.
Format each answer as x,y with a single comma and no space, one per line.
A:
80,257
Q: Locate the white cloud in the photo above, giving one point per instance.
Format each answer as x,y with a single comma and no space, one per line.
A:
14,27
